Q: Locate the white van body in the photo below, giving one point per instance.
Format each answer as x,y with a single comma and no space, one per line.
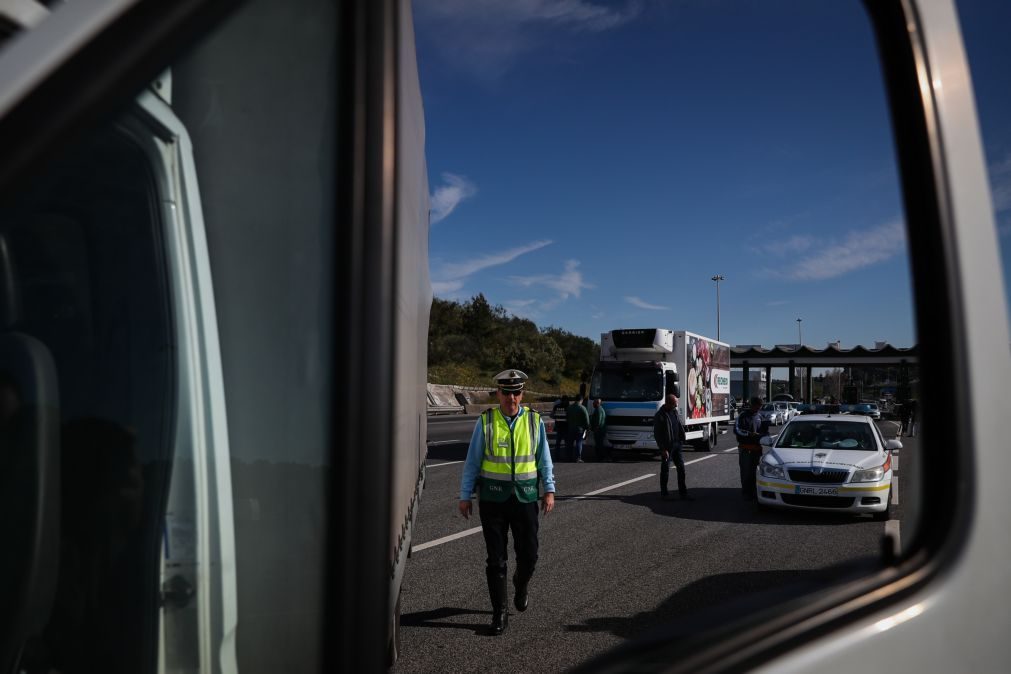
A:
639,367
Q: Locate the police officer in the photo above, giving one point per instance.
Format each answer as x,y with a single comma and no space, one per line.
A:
507,458
749,429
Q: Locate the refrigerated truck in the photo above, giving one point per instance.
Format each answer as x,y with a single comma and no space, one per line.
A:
638,367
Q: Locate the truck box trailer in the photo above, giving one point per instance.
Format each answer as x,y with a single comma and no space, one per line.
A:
639,367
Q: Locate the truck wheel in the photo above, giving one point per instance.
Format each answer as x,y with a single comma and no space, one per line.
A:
713,435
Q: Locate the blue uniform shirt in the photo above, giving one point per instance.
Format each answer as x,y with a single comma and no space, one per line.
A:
475,454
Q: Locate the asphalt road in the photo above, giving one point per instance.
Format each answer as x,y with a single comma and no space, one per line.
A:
615,560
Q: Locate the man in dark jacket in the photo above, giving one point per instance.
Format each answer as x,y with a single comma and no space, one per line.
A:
749,429
560,414
579,421
669,433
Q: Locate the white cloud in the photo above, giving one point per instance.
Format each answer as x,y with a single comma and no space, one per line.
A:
450,277
636,302
447,197
1000,184
835,258
570,282
443,288
460,270
791,246
486,36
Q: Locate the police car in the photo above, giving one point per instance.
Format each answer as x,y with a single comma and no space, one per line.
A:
829,463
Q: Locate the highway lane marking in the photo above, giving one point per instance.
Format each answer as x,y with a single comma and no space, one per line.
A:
613,486
444,539
895,491
436,465
892,529
469,532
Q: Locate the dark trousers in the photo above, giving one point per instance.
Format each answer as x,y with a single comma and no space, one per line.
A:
600,448
679,464
576,443
748,461
496,521
561,440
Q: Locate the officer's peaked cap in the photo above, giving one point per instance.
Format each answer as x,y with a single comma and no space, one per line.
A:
510,380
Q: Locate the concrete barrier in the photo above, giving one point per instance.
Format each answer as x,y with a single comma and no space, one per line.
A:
442,400
451,399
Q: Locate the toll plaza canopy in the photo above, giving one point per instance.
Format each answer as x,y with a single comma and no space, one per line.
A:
806,358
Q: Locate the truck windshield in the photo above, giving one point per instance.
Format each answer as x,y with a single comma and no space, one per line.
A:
627,383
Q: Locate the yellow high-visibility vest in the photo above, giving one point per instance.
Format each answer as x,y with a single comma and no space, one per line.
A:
509,463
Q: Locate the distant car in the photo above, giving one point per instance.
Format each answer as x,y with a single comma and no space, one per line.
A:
824,408
769,412
784,409
829,463
866,409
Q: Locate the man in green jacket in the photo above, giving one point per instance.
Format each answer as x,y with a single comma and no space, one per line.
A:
598,419
579,421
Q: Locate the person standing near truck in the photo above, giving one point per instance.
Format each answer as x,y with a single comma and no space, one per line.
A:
669,433
749,429
560,414
579,421
598,419
507,459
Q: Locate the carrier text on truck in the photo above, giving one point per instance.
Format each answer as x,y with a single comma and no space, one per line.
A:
639,367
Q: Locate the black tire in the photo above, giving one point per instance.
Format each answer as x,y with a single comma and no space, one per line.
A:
885,514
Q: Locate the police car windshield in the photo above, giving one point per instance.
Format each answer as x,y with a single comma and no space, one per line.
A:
827,435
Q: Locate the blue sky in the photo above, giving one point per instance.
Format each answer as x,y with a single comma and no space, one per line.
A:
593,165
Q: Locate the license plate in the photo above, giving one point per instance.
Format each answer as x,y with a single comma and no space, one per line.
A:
818,491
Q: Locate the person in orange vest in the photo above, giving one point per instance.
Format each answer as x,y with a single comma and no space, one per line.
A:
507,461
749,429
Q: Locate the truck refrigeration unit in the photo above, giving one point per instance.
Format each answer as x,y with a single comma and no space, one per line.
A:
639,367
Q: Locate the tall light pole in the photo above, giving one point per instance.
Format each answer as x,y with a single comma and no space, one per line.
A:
800,343
718,278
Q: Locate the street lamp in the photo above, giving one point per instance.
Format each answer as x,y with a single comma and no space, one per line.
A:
718,278
800,342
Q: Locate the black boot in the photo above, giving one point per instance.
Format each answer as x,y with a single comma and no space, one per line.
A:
520,600
497,588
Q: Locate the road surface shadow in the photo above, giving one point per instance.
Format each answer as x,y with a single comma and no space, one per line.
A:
439,618
713,602
722,505
448,452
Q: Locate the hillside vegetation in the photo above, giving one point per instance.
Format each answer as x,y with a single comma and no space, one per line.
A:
470,342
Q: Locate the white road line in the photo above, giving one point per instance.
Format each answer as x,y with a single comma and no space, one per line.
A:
614,486
468,532
892,529
444,539
895,491
436,465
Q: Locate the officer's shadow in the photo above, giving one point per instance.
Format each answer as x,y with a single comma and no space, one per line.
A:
439,617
